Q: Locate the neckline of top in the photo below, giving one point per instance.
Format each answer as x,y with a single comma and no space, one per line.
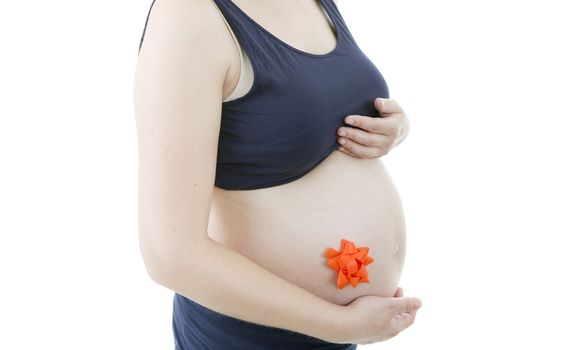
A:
338,36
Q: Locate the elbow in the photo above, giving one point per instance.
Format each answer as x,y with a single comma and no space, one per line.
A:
165,265
158,259
158,267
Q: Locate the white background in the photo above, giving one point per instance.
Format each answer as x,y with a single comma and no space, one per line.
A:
490,175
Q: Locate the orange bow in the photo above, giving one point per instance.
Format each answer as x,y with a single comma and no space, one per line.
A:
350,262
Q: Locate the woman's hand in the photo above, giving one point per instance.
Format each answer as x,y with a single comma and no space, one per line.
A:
371,319
374,137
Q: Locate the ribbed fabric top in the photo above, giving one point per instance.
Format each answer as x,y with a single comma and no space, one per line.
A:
286,124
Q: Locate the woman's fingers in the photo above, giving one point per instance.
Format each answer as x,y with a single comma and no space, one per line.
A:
405,309
407,304
400,293
401,321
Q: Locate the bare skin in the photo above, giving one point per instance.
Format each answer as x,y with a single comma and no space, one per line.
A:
284,229
343,197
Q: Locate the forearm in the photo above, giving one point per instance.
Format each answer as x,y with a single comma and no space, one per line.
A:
225,281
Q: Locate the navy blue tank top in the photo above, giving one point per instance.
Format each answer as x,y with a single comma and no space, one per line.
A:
286,124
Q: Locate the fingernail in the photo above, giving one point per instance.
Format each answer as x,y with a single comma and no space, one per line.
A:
382,103
418,302
350,121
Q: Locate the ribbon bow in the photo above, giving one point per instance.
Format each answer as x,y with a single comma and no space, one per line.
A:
350,263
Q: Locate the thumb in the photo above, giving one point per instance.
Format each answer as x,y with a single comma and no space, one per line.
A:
379,104
407,304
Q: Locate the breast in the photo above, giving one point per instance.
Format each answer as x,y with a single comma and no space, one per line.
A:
286,124
287,228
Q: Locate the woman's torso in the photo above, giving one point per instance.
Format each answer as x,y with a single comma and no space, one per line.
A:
286,228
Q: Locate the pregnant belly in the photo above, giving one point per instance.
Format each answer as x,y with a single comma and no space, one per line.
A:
286,229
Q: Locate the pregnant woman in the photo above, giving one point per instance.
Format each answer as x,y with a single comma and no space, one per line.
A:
242,188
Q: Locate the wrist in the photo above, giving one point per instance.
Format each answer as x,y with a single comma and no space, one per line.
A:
336,324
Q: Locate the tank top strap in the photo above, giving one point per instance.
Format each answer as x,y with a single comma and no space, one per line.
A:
250,35
258,42
338,20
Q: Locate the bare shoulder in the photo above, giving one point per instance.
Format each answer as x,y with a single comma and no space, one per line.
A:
187,27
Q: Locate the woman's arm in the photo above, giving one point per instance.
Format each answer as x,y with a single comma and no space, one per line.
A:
177,93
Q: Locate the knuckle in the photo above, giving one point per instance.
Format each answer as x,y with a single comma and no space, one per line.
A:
366,139
383,143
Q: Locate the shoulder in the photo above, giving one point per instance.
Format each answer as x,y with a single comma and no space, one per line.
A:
181,11
186,28
191,17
